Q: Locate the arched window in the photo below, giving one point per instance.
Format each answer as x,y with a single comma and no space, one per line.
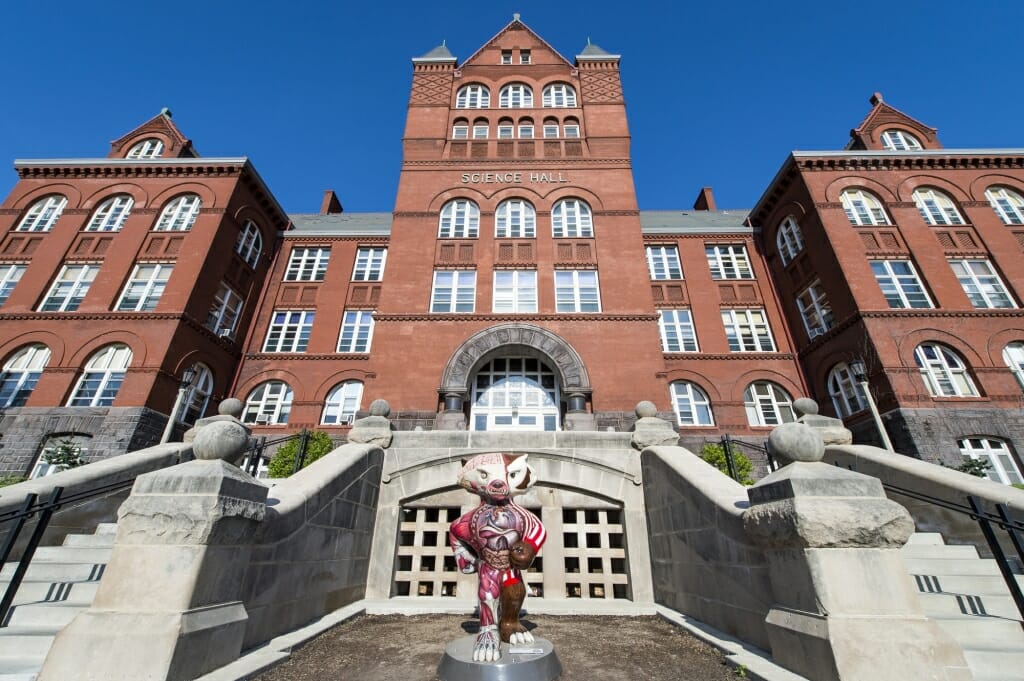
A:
863,208
150,147
526,128
550,127
559,95
515,393
691,404
43,214
898,140
179,214
515,96
846,394
102,377
481,129
473,96
249,244
767,404
460,219
269,403
506,128
571,218
20,374
943,371
571,127
1013,355
790,240
111,214
515,219
460,129
198,396
936,208
995,451
342,404
1008,204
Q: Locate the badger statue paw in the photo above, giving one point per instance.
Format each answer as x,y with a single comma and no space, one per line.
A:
488,646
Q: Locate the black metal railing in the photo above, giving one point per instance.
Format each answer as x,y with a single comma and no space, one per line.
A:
727,443
258,447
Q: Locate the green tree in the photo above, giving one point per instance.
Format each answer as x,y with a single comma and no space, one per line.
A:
283,462
714,454
6,480
65,455
976,467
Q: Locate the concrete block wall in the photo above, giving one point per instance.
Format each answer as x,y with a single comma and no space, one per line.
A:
702,563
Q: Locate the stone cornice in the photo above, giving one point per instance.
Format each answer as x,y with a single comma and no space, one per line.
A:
567,317
302,356
91,168
931,312
688,356
293,237
94,316
935,160
540,164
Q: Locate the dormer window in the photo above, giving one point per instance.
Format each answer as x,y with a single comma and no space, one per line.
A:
524,56
147,148
506,56
898,140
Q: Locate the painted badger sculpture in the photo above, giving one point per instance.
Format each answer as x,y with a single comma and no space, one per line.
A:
498,540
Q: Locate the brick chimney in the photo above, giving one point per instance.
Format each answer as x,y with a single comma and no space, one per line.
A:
705,200
331,204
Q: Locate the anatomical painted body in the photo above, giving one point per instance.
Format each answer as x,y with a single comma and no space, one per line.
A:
498,540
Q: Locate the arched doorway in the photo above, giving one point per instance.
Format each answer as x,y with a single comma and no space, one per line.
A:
515,393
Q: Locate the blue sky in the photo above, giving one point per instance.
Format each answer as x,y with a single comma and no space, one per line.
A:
315,92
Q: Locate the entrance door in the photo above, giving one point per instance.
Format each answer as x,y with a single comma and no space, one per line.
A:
515,393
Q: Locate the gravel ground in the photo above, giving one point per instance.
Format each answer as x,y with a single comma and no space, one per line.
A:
400,648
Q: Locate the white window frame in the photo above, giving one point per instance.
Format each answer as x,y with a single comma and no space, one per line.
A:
20,374
197,395
453,292
790,240
179,214
506,57
905,288
480,132
356,334
144,288
728,261
571,131
43,214
111,214
10,275
70,287
846,393
289,331
269,403
525,57
342,403
515,219
767,404
943,371
899,140
936,207
677,331
459,219
663,262
225,312
526,131
102,377
1008,204
506,131
515,96
815,310
369,265
473,96
997,452
550,130
981,283
250,244
307,263
577,291
748,330
690,404
559,96
460,132
151,147
863,208
515,291
1013,355
572,219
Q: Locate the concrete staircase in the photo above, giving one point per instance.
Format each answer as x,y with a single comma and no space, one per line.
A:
60,583
967,596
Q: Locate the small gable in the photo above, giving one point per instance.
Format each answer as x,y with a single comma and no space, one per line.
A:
158,137
886,128
516,44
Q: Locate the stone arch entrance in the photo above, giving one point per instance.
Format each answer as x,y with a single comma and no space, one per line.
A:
515,340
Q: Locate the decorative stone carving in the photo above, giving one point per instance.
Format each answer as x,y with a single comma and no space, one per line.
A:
229,411
374,429
649,430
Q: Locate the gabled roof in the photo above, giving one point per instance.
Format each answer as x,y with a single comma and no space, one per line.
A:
884,114
161,123
516,24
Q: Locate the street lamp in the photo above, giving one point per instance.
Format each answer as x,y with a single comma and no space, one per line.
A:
860,374
187,376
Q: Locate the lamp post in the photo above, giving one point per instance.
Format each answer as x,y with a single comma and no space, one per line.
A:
187,377
860,374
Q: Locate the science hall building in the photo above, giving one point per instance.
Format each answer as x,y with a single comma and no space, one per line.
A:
517,285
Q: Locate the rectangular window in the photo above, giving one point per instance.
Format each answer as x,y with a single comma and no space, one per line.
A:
223,316
571,130
551,131
307,264
524,56
70,288
506,132
677,334
577,291
981,283
728,262
506,56
460,132
747,331
663,262
143,290
479,132
900,284
525,132
289,331
515,291
369,264
10,275
815,310
453,291
356,331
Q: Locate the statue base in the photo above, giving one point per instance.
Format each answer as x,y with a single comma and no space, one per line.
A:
458,665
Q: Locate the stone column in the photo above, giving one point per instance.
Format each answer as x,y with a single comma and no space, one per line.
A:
168,607
844,607
452,418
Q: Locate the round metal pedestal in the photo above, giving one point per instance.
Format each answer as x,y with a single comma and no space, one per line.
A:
458,665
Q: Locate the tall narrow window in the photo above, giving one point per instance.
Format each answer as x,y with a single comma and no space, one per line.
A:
224,313
577,291
369,264
995,451
150,147
981,283
900,284
43,214
936,208
863,208
249,244
515,219
747,331
460,219
143,290
676,329
790,240
663,262
473,97
728,262
269,404
515,291
690,404
559,95
70,288
815,310
21,373
342,403
1008,204
506,57
515,96
898,140
102,378
767,404
1013,355
180,214
289,331
524,56
571,218
307,264
846,394
111,214
356,331
453,291
197,395
943,371
10,275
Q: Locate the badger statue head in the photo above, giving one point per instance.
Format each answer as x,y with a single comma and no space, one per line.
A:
497,477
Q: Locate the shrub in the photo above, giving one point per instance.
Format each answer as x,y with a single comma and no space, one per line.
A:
714,454
282,464
6,480
64,456
976,467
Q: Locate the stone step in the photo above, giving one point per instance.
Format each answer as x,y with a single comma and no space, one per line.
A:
26,643
926,538
981,633
43,615
937,605
974,585
950,567
71,593
46,571
73,554
995,664
106,528
20,668
105,540
938,552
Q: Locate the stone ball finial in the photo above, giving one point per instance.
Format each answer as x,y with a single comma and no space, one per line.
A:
232,406
805,406
646,409
220,440
796,442
380,408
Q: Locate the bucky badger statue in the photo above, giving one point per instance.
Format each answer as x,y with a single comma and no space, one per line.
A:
498,540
